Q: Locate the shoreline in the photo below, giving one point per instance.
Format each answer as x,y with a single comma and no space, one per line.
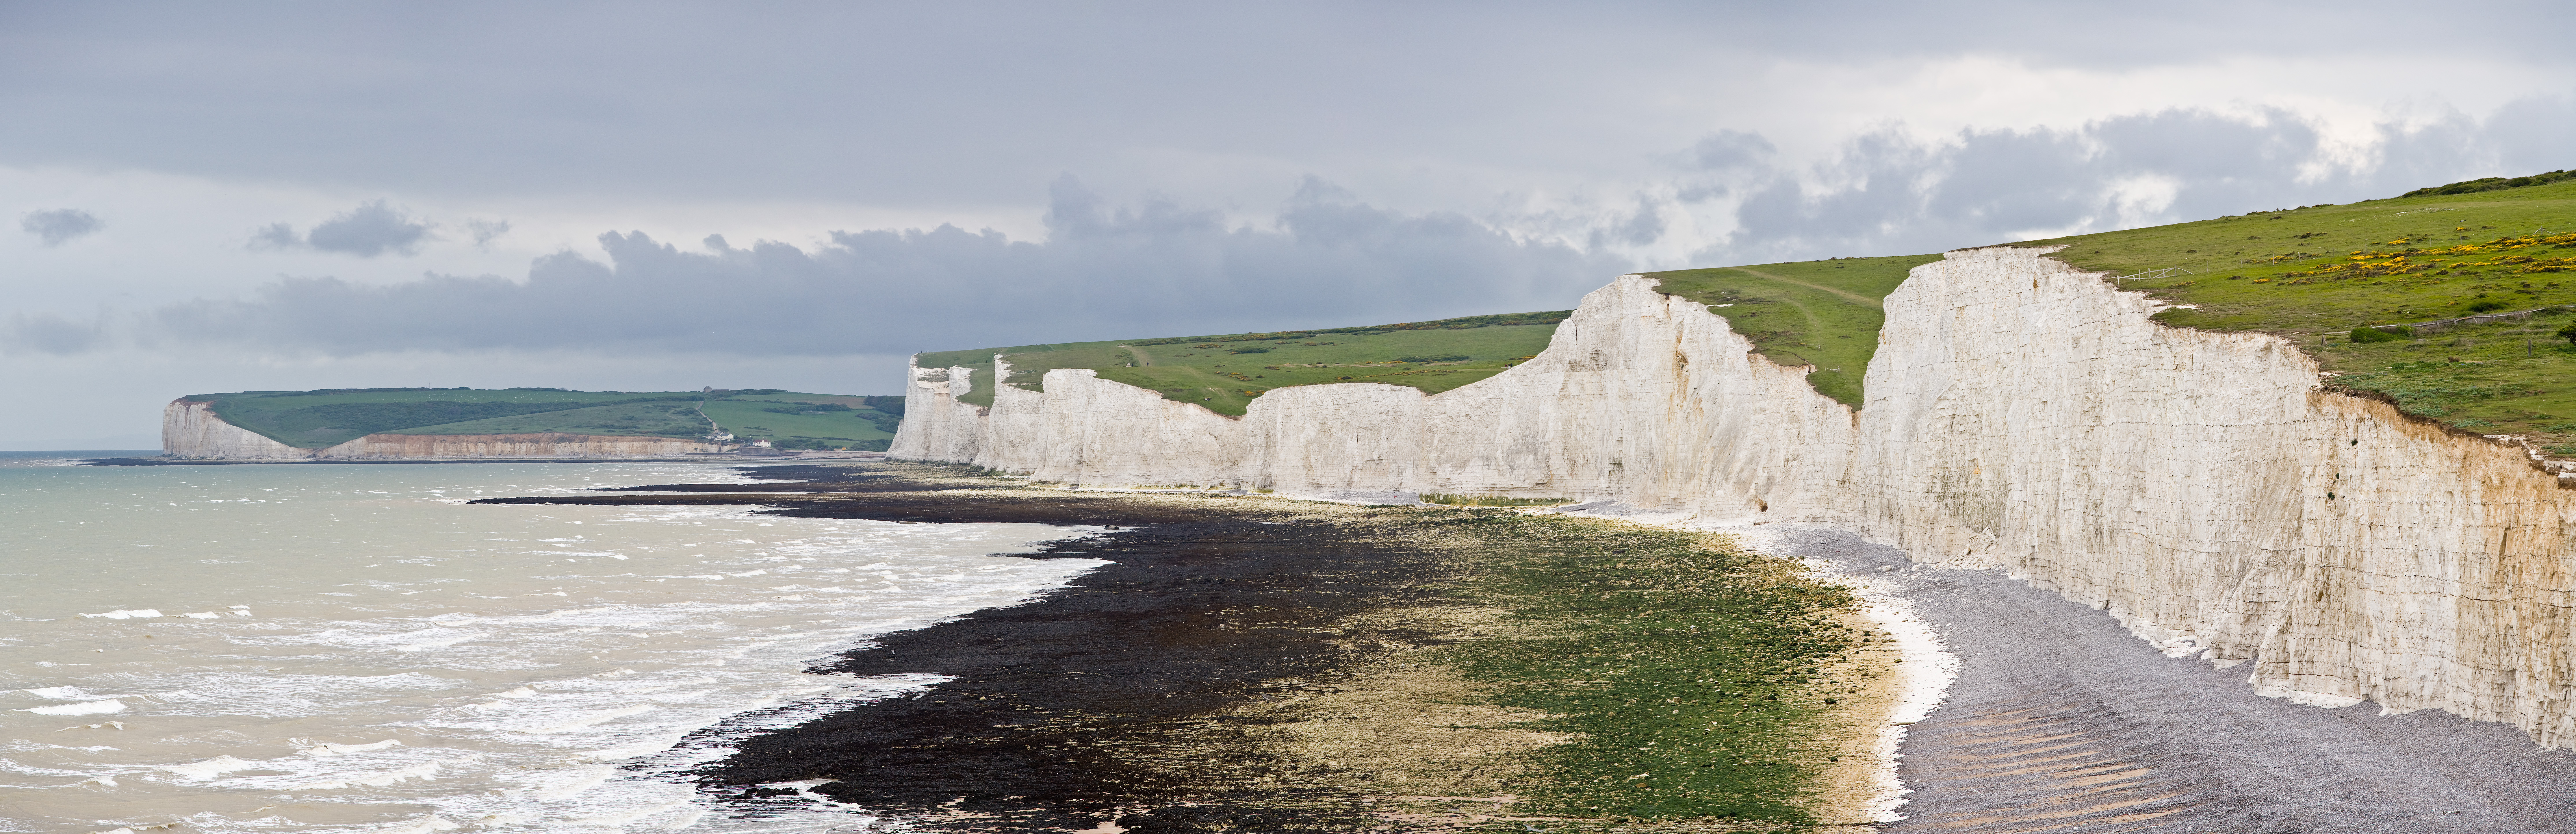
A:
2058,718
1288,665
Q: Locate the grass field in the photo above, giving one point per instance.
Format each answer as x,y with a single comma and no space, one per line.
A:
2316,272
773,418
1226,373
677,418
1821,313
315,419
2329,268
2497,378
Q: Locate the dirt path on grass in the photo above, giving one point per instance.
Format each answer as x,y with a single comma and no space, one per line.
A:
1856,297
2060,721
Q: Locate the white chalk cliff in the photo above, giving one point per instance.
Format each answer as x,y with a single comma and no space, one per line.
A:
2020,413
191,429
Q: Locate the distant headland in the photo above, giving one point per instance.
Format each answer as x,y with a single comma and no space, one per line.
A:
396,423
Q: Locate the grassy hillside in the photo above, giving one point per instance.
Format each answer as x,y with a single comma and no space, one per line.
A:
1822,313
1226,373
808,421
675,418
2315,273
315,419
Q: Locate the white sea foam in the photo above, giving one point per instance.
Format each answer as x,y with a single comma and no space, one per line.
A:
128,614
424,770
209,768
427,823
86,708
325,750
574,721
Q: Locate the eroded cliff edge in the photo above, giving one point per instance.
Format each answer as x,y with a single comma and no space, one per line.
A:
191,429
2020,412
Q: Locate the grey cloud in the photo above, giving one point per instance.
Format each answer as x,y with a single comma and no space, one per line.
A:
276,236
2531,134
563,99
1150,268
1639,229
484,231
1886,193
1722,163
59,226
371,229
47,333
1729,149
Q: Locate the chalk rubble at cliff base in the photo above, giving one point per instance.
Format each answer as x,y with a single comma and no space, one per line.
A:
2020,413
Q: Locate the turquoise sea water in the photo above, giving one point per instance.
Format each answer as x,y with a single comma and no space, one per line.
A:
296,648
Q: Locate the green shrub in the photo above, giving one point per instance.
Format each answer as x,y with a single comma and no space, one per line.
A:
1446,357
2490,184
2483,306
2366,335
2568,333
1249,350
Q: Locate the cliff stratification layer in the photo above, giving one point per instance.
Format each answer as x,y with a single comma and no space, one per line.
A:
2020,412
191,429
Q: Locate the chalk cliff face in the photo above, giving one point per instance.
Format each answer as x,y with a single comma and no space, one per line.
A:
192,430
2020,413
2200,487
1642,397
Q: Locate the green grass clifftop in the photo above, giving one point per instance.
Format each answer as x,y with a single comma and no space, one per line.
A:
2315,274
1226,373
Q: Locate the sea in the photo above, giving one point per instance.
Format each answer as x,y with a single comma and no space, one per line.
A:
355,648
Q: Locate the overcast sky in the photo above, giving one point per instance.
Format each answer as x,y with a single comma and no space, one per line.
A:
214,197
